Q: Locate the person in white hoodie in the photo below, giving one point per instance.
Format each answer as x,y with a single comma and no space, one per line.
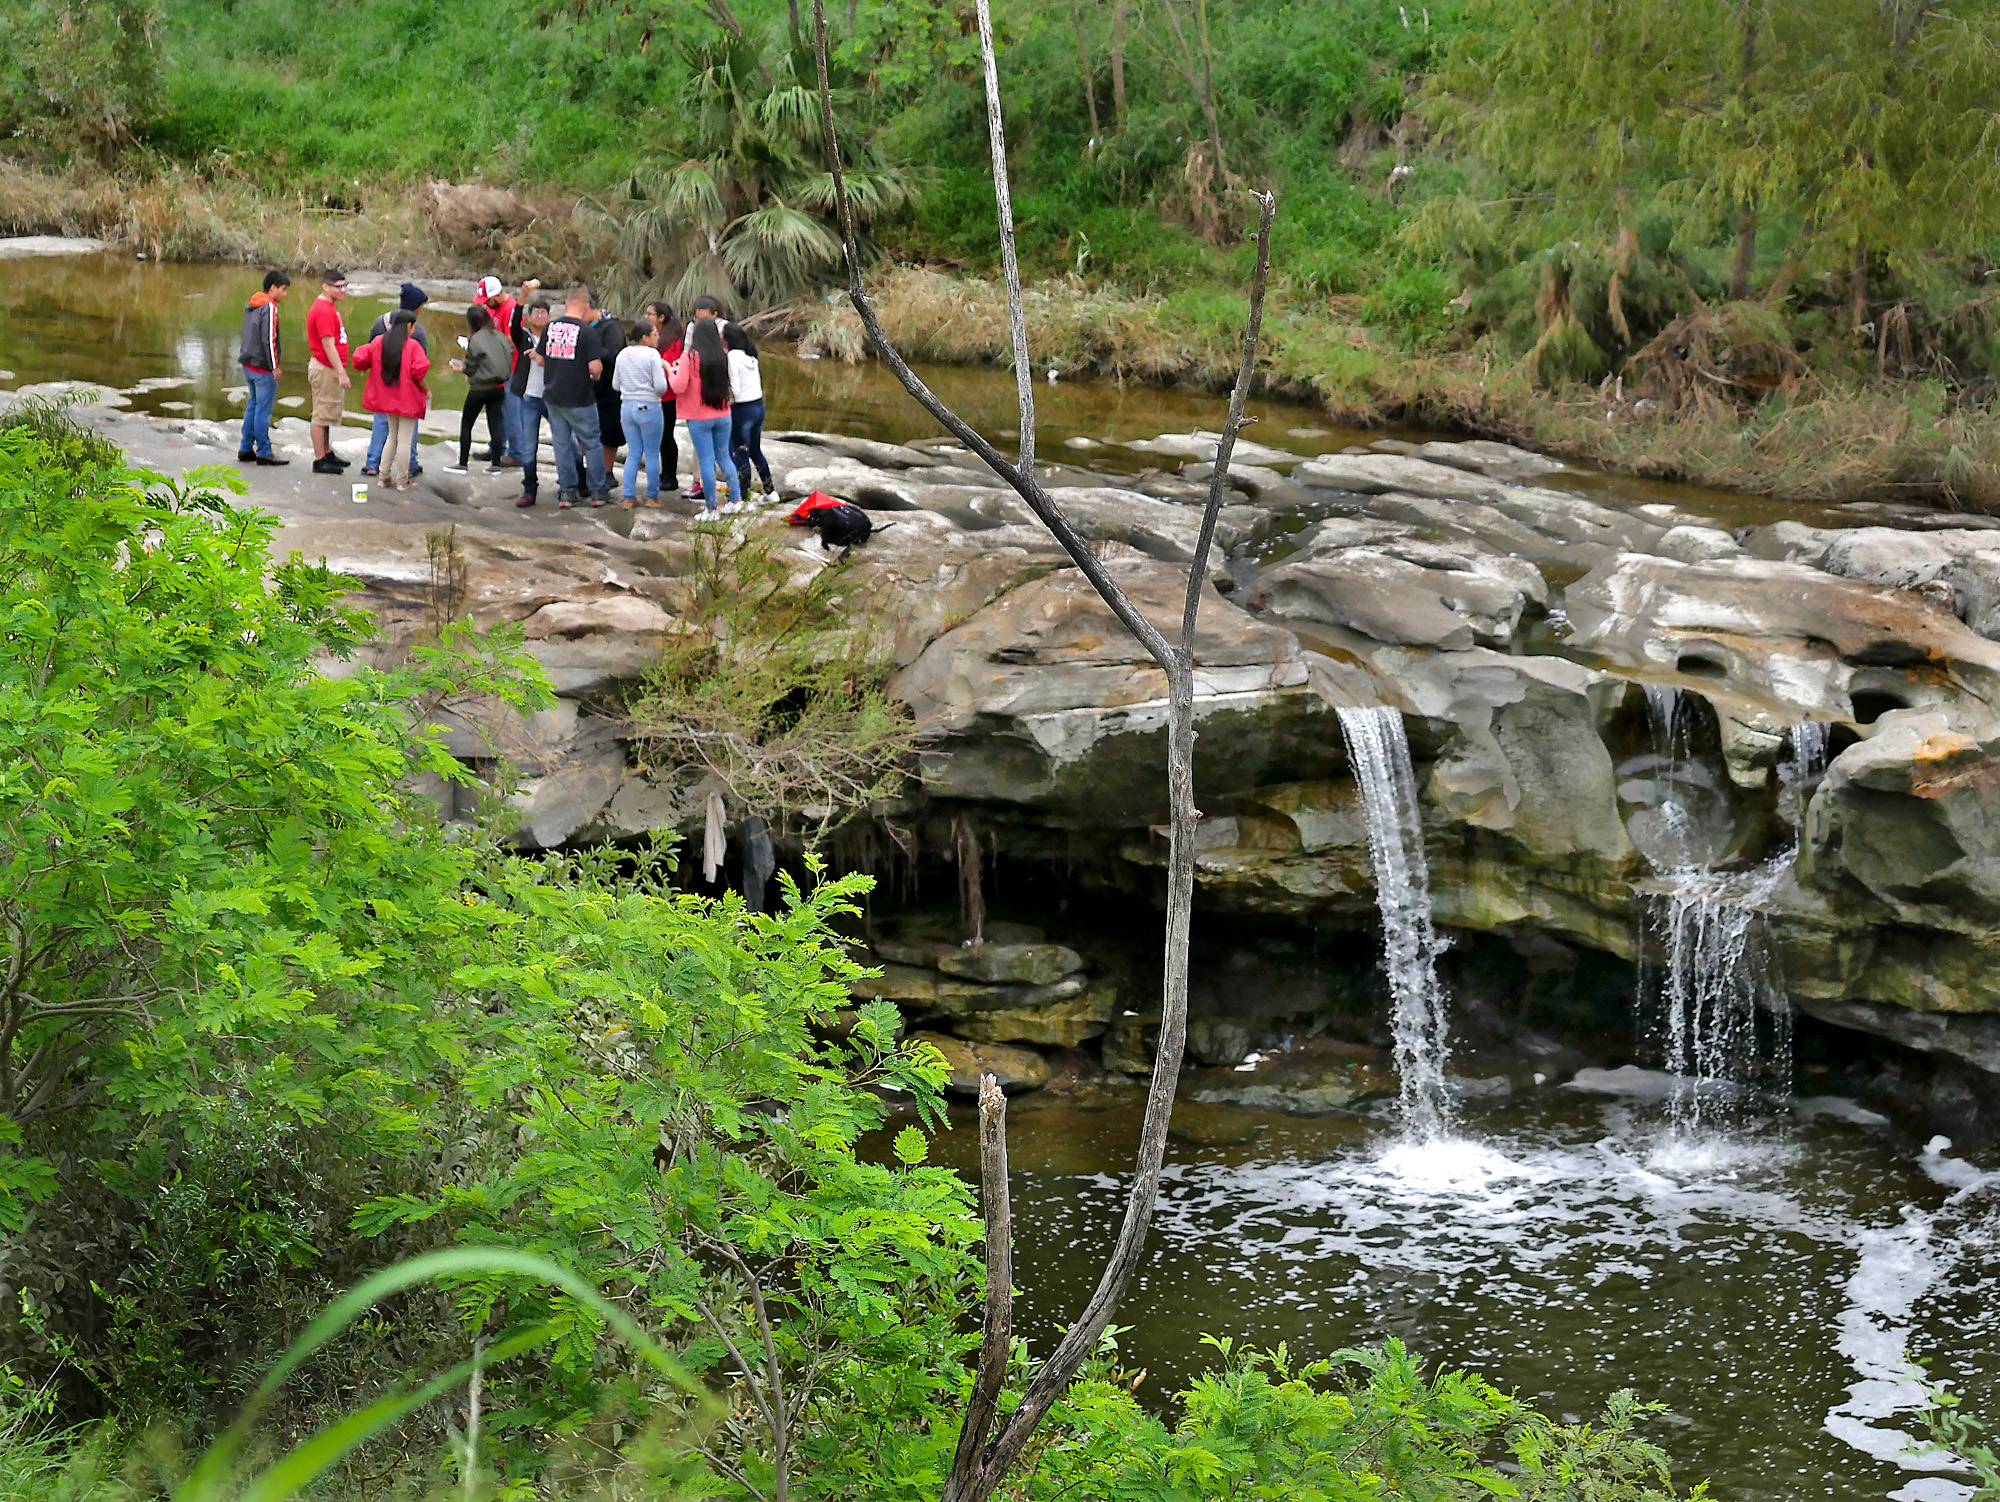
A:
746,410
640,381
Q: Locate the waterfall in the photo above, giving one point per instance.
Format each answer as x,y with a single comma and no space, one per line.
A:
1380,755
1802,767
1724,1021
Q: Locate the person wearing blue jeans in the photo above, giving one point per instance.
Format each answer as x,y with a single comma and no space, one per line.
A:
571,429
258,406
640,381
259,358
710,437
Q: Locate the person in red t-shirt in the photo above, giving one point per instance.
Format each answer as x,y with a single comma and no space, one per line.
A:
326,368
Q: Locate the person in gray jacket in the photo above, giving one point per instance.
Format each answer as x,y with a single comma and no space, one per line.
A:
259,359
488,362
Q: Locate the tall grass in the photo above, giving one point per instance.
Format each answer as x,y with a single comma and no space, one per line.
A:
42,1462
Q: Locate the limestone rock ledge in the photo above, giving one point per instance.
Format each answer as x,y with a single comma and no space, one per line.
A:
1522,621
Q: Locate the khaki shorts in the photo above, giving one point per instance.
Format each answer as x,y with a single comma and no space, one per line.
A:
328,398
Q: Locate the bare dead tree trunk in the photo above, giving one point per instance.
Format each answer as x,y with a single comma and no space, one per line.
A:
981,1465
1089,79
1118,63
997,1333
1010,266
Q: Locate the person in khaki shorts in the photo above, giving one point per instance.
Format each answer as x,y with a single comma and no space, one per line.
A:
326,369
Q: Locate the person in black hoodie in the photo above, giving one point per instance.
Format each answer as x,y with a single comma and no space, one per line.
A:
610,421
259,359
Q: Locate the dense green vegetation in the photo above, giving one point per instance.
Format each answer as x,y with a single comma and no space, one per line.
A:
269,1025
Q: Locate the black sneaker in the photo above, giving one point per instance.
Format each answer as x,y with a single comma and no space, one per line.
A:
565,499
602,498
270,461
246,456
415,470
326,466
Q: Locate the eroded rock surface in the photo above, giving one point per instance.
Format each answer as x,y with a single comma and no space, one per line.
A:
1517,616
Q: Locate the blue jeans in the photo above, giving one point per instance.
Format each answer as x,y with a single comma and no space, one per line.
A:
257,408
643,426
575,428
526,431
746,444
510,427
710,436
379,437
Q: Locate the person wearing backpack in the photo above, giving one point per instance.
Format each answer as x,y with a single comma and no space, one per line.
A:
746,411
397,367
488,362
701,390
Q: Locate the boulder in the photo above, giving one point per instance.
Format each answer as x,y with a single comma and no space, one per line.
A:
1016,1068
1497,461
1406,593
1012,964
1050,701
1958,569
1132,1041
1318,1076
959,998
1059,1024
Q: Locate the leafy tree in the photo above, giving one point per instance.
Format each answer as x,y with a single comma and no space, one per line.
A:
744,216
688,1139
207,859
1867,125
80,72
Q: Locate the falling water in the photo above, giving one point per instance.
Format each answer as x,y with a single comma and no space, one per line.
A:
1723,1018
1799,772
1381,759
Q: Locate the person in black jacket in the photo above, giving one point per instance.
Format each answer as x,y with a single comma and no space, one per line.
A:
610,422
259,359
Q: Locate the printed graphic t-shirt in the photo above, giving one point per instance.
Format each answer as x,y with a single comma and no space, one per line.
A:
568,347
322,319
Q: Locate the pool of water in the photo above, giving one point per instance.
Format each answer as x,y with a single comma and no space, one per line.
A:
1771,1286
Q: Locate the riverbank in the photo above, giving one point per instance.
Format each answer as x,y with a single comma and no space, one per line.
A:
1822,441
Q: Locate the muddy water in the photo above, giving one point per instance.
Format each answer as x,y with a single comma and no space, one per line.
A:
1770,1287
175,328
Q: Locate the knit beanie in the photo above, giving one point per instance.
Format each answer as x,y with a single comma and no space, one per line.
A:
414,297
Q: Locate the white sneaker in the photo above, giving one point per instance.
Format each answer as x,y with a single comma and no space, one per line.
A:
456,469
730,508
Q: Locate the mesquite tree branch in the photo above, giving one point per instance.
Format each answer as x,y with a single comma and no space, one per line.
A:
978,1467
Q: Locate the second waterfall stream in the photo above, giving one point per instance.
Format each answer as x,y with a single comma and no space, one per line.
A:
1380,755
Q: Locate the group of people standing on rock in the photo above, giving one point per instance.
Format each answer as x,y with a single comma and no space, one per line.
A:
599,385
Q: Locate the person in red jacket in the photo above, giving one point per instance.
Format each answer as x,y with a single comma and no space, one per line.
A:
397,370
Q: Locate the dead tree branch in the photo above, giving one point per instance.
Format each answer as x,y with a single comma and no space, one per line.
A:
980,1466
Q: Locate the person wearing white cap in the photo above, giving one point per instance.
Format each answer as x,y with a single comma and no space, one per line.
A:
504,310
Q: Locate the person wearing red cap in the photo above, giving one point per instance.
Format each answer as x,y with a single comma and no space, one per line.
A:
492,295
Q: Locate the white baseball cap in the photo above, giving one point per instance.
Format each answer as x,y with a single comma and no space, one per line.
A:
489,286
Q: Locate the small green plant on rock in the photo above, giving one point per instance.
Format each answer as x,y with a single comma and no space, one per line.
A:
770,687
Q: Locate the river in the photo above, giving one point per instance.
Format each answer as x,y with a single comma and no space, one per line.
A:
1770,1283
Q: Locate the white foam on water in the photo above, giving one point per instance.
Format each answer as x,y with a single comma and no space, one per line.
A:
1838,1108
1628,1080
1953,1173
1932,1489
1895,1269
1447,1165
